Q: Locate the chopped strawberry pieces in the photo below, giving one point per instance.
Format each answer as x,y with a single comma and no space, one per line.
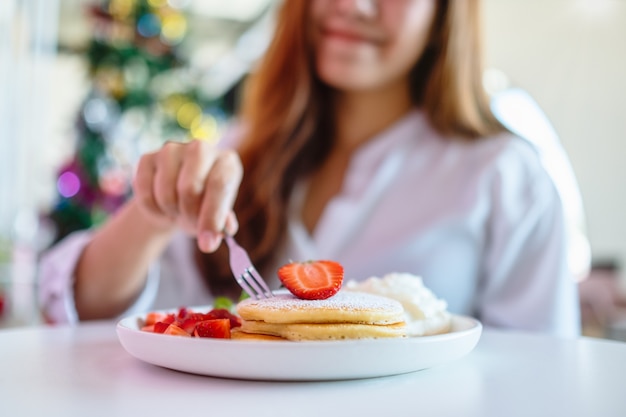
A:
160,327
222,313
216,328
153,317
148,328
312,280
216,323
189,322
170,318
174,330
182,313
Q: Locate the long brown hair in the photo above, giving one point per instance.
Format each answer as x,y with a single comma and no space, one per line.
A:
289,125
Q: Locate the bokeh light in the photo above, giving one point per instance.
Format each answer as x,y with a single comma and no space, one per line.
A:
68,184
157,3
174,28
187,113
173,103
178,4
149,25
121,9
114,183
204,127
96,112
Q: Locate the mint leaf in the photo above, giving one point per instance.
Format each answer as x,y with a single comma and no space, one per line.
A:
223,302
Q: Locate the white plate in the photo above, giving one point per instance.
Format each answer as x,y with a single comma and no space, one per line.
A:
298,361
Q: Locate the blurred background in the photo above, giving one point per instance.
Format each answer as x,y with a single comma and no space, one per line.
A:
89,85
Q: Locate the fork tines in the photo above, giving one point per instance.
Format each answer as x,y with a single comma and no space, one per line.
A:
244,272
252,282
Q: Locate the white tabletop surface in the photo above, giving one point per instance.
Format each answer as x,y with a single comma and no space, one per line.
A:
84,371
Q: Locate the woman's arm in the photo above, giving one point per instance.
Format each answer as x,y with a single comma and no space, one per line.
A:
191,186
112,270
526,280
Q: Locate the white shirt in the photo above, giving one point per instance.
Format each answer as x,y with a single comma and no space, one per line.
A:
481,222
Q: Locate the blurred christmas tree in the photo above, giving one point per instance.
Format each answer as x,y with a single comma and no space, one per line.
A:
142,94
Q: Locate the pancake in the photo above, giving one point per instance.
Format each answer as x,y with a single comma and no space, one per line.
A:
346,315
343,307
238,334
326,331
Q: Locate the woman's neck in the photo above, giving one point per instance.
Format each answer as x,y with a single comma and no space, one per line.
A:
361,115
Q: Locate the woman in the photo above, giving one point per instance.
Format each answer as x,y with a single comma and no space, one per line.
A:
367,139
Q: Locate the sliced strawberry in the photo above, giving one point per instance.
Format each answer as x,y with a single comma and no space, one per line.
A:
216,328
148,328
170,318
190,321
153,317
187,322
182,313
222,313
174,330
312,280
160,327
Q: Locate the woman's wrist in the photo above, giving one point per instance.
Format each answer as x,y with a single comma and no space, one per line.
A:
112,269
148,221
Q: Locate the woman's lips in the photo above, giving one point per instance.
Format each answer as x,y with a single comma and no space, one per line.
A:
347,36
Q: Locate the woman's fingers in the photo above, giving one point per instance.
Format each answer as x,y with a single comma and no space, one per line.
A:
221,187
193,185
143,184
168,163
198,161
232,225
209,241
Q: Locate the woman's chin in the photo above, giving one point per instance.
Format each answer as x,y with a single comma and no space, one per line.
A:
347,78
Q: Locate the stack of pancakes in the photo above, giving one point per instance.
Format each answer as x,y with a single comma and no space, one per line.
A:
346,315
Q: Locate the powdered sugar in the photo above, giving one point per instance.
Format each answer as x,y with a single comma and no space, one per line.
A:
343,300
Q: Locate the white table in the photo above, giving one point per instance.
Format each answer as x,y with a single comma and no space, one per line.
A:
84,371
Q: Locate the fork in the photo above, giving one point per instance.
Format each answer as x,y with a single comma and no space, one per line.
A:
245,274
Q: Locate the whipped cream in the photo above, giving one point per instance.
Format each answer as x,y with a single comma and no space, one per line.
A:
424,312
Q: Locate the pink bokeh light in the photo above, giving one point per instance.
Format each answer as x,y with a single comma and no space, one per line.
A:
68,184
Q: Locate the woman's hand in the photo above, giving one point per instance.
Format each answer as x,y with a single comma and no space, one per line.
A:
193,186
